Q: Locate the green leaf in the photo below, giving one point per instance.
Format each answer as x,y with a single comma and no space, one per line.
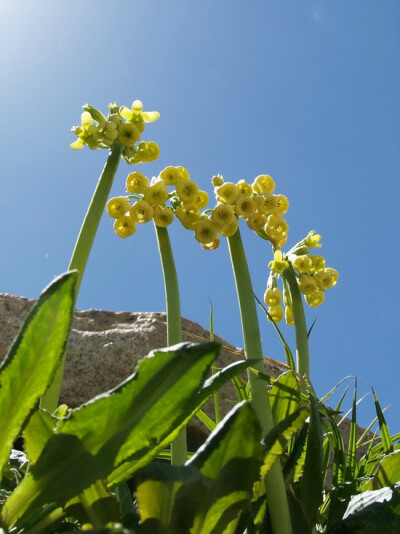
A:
128,421
371,512
384,430
311,485
276,439
33,358
167,497
387,473
212,384
37,432
231,464
284,396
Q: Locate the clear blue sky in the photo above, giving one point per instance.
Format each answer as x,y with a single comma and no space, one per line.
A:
305,91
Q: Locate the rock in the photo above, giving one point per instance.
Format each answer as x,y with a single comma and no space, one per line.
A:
104,348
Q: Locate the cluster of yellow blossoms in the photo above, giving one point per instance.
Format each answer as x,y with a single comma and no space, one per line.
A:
122,125
313,278
255,202
149,200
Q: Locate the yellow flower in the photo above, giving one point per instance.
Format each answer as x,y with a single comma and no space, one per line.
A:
230,229
278,264
257,221
226,193
205,231
199,202
263,184
169,175
183,173
244,188
187,190
142,212
281,204
266,203
137,182
217,180
212,246
323,280
156,193
275,314
303,264
163,216
273,296
307,284
147,151
128,134
318,262
223,215
117,207
188,218
334,275
289,316
315,298
313,240
124,226
244,206
276,227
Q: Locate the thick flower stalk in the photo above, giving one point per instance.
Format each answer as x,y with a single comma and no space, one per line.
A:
147,201
119,133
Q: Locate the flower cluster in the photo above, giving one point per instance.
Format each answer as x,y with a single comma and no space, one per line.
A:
149,198
313,278
122,125
254,202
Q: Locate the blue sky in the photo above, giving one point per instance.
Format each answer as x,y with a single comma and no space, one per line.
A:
305,91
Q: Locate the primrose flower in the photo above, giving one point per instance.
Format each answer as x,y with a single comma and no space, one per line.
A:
263,184
244,206
142,212
244,188
205,231
163,216
334,275
169,175
230,229
124,226
257,221
278,265
281,204
323,280
146,151
226,193
136,182
302,264
223,215
213,245
217,180
276,227
289,316
117,207
157,193
273,296
315,298
187,190
266,203
275,314
188,217
128,134
318,262
307,284
313,240
183,173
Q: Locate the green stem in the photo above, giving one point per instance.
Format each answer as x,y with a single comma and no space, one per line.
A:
81,253
174,329
274,482
302,352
